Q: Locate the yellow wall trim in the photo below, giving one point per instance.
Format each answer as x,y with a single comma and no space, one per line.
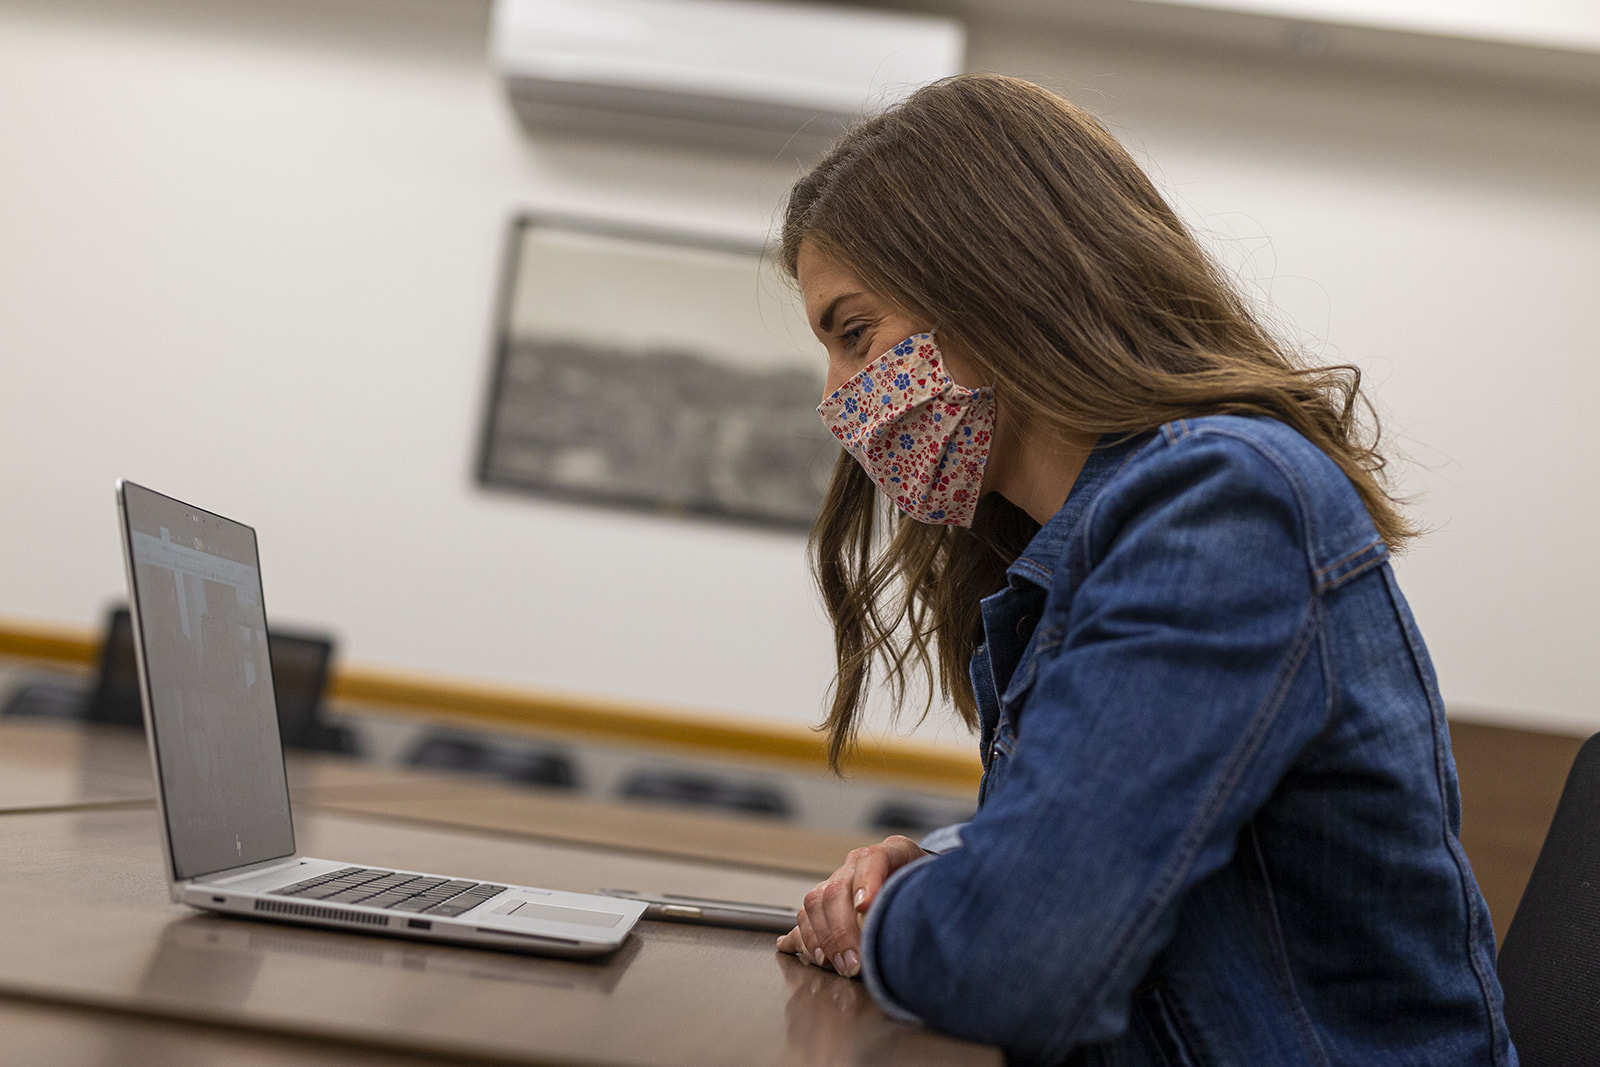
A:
35,640
615,722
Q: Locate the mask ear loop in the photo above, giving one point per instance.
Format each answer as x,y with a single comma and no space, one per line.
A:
977,390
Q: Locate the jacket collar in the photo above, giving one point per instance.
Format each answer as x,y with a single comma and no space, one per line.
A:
1036,565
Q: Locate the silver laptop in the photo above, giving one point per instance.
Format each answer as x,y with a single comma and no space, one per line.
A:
200,638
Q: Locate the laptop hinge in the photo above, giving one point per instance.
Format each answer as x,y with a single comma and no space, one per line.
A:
234,874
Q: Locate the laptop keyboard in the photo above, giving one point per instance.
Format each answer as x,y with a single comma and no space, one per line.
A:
393,891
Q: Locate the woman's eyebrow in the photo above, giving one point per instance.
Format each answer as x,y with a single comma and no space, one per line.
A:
825,320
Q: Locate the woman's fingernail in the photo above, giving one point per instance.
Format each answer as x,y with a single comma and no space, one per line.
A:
817,955
852,963
861,894
838,963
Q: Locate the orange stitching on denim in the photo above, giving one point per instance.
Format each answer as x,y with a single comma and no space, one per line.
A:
1346,559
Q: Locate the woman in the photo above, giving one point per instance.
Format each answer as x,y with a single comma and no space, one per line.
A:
1144,550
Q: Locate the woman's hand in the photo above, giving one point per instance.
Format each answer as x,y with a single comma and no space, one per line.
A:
829,927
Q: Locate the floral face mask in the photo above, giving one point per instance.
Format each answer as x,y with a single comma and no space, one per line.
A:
920,436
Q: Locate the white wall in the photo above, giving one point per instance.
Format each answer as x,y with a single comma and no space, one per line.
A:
278,225
1573,24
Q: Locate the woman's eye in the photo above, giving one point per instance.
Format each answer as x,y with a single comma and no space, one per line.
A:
852,337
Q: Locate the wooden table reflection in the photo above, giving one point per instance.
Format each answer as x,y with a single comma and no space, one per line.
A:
51,763
45,763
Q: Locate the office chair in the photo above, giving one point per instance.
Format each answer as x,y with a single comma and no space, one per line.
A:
46,700
688,789
465,753
299,677
115,696
1550,962
914,818
112,697
299,674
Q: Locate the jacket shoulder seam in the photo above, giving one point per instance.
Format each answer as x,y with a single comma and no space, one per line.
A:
1180,430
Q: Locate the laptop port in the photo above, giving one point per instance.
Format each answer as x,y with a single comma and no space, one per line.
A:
419,924
219,900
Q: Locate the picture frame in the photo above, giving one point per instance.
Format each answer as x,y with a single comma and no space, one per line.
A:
653,369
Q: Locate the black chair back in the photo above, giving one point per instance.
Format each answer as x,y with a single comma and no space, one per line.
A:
465,753
115,696
694,790
1550,962
299,676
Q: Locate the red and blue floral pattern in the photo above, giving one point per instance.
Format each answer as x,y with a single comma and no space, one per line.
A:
921,437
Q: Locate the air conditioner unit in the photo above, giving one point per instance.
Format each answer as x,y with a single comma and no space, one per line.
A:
747,74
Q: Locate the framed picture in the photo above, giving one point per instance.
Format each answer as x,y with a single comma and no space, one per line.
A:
654,369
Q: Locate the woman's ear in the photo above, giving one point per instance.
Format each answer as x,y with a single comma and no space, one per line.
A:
961,367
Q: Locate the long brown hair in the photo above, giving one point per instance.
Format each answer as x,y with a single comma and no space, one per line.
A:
1014,221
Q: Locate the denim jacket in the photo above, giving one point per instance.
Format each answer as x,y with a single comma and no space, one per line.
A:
1218,819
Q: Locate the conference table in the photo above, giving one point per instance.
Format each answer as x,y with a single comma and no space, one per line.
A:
98,966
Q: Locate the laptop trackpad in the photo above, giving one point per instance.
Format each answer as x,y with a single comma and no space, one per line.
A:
535,914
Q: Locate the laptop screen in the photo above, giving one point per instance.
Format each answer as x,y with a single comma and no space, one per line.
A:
196,589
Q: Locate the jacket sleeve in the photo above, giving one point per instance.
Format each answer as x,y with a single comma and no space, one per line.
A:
1167,703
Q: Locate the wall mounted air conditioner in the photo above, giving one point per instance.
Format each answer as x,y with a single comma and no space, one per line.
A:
748,74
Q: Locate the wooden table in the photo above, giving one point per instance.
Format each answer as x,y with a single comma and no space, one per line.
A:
98,966
50,763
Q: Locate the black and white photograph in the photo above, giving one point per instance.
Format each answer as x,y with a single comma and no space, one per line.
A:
699,400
